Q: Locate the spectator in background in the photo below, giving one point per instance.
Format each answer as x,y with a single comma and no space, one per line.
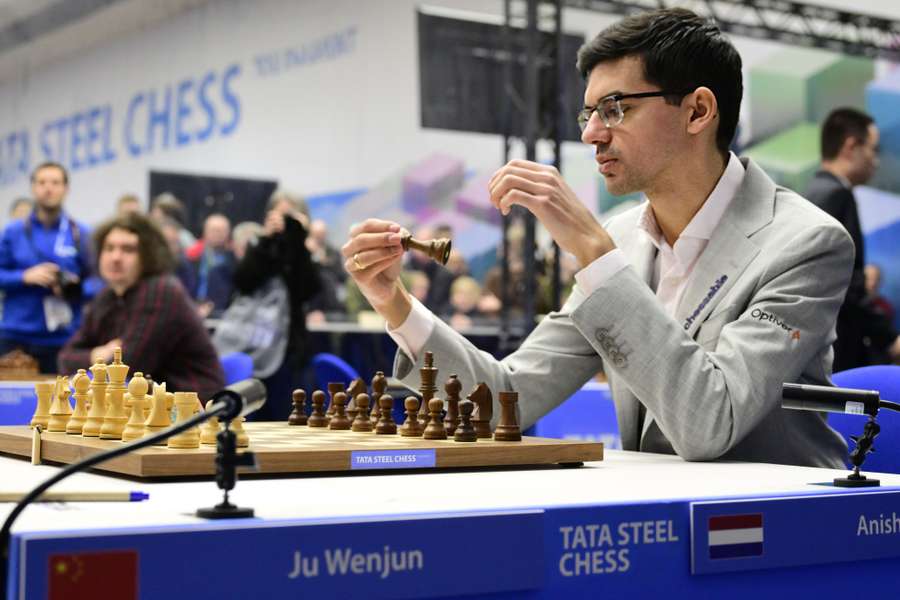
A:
144,311
44,261
323,253
418,285
282,252
214,266
183,269
128,203
464,296
849,146
21,208
167,206
873,292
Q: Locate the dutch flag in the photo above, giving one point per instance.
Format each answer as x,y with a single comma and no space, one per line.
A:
735,536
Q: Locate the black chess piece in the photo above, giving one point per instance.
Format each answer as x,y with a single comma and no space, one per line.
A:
508,426
452,388
465,432
411,426
435,428
362,422
339,420
318,418
298,414
386,424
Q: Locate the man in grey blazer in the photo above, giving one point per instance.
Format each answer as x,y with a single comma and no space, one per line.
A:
698,304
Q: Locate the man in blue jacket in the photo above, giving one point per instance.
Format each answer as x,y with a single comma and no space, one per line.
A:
43,263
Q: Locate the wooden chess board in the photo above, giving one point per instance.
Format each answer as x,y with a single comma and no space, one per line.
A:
281,448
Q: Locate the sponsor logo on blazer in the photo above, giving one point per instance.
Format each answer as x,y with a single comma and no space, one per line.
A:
761,315
713,290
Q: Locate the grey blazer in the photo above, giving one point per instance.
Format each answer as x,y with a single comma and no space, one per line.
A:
759,311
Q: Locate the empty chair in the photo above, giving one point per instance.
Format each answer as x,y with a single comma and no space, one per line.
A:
237,367
886,380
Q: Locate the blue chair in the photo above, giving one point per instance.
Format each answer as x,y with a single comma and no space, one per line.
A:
886,380
331,368
237,367
588,414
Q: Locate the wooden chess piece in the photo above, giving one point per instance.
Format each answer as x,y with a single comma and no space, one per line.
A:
82,384
44,392
190,438
210,428
242,439
427,387
98,402
386,424
452,388
134,428
484,409
149,403
435,428
340,420
465,431
333,388
60,409
508,426
298,414
411,426
362,422
379,385
159,417
115,418
438,249
318,418
357,387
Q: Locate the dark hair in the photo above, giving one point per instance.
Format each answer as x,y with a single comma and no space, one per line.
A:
840,124
51,165
171,207
152,247
680,51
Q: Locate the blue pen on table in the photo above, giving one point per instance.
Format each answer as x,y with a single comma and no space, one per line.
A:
78,496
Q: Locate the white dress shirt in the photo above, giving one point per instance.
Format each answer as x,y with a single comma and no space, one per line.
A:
673,268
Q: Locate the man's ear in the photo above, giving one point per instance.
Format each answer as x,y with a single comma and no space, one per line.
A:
703,109
851,143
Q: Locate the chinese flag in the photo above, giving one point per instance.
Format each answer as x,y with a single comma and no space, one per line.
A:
93,575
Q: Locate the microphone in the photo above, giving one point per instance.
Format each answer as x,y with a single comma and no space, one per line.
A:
239,399
831,399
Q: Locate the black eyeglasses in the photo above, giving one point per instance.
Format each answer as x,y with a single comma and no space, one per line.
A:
610,108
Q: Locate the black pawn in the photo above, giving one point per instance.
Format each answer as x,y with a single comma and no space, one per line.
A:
362,421
298,414
318,418
411,426
386,424
435,429
339,420
466,431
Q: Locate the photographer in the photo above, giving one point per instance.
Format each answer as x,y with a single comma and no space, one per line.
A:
280,256
44,262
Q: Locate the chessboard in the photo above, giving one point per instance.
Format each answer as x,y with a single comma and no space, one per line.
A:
282,448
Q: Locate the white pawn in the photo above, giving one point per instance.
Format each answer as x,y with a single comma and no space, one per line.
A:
137,389
210,429
76,422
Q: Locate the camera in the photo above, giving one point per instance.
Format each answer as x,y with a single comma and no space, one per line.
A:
69,285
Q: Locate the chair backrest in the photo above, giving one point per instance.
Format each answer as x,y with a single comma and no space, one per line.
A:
331,368
237,367
886,380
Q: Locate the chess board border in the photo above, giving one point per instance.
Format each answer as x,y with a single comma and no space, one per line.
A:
333,454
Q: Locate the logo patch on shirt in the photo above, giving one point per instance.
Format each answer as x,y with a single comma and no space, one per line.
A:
761,315
713,290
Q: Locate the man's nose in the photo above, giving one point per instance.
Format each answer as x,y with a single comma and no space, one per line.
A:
596,131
